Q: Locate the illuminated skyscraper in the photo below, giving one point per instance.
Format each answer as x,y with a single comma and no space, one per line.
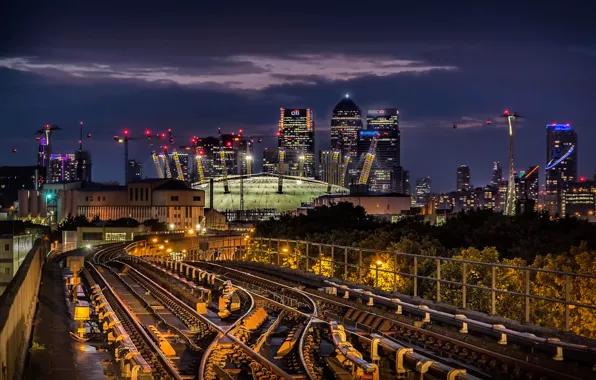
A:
497,173
63,168
561,167
297,138
135,171
185,165
346,121
463,178
423,190
529,185
384,124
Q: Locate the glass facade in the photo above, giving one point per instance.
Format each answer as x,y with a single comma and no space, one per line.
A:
346,121
561,167
385,122
297,138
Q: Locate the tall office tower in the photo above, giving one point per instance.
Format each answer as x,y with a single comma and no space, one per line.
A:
423,190
529,185
83,162
346,121
135,171
561,167
497,173
401,182
185,165
236,152
208,150
386,123
297,138
463,178
270,161
330,166
63,168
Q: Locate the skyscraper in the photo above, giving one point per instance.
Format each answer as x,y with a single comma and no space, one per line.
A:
42,153
63,168
297,138
270,161
529,185
497,173
561,167
423,188
185,165
463,178
135,171
83,162
385,122
345,123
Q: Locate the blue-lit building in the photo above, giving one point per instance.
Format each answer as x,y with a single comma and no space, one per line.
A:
385,173
561,164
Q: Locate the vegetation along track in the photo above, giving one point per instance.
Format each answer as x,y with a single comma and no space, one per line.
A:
477,351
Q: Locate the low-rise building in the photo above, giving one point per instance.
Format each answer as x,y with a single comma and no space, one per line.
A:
166,200
389,206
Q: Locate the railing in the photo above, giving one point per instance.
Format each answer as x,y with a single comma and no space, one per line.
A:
553,299
17,309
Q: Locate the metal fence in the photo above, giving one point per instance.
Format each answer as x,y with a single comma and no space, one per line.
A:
553,299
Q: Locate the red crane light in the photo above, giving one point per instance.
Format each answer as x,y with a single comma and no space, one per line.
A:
582,179
506,112
14,150
163,135
229,143
81,123
147,132
201,152
126,131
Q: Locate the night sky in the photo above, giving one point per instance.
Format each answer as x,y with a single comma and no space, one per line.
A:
197,68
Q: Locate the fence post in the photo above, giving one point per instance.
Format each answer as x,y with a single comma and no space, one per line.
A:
464,275
321,261
332,261
567,294
415,276
527,290
394,272
307,251
346,263
438,280
360,266
493,294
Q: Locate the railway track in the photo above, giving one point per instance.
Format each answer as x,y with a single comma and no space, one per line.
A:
161,367
479,355
306,355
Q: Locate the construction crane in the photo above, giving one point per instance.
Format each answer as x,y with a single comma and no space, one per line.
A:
199,153
46,132
368,161
280,178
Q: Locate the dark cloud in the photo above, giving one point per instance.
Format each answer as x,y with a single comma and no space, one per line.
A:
195,68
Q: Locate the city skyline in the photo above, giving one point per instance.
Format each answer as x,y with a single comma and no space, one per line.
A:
437,78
